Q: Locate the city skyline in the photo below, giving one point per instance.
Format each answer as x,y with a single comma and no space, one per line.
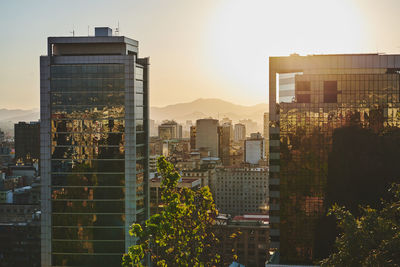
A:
223,47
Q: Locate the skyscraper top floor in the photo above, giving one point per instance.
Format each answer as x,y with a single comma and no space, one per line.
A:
296,63
103,43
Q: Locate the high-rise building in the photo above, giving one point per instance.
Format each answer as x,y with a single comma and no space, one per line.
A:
224,143
27,141
169,130
266,134
254,149
240,190
332,118
192,137
240,132
94,148
207,136
2,136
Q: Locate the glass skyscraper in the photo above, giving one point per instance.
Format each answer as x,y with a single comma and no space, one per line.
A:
333,118
94,148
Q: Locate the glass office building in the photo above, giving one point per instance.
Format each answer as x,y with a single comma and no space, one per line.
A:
311,99
94,148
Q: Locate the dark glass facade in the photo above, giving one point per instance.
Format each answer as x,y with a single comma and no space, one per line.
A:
98,158
328,97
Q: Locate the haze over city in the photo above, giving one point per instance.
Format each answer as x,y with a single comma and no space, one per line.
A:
198,49
259,133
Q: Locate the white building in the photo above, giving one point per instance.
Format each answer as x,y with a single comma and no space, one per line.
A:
254,149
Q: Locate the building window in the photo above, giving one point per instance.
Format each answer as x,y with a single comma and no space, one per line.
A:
303,98
303,89
330,91
303,86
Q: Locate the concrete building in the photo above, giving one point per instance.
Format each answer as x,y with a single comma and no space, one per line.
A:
240,190
254,149
252,244
170,130
207,136
27,141
240,132
20,235
94,148
328,112
204,174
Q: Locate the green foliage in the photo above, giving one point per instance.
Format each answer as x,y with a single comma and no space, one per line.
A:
373,239
182,233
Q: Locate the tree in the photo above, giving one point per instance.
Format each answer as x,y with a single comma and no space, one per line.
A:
182,233
373,239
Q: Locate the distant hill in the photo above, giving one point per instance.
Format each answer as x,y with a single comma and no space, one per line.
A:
10,116
209,107
198,109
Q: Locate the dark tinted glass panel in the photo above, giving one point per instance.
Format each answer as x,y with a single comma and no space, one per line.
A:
88,99
88,220
140,138
87,165
77,85
87,179
303,98
88,233
88,247
86,260
330,91
88,206
140,204
90,193
88,71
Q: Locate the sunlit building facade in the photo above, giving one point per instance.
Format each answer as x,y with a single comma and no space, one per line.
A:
311,98
94,148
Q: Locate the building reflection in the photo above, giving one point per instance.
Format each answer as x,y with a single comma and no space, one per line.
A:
316,97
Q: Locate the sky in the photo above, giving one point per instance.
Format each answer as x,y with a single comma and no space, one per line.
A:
197,49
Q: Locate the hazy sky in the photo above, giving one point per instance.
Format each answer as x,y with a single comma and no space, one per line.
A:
197,48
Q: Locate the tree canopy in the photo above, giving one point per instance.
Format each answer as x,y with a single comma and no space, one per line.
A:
182,233
373,239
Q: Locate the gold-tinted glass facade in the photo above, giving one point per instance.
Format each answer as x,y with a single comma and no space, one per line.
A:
88,162
326,97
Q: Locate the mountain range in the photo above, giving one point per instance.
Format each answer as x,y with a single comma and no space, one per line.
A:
10,116
209,107
197,109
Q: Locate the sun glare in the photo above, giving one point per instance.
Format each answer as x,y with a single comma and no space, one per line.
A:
242,35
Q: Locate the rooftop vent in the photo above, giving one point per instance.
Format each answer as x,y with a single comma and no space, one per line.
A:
102,31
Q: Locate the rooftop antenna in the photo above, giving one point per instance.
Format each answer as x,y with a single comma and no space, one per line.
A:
117,30
73,31
87,30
